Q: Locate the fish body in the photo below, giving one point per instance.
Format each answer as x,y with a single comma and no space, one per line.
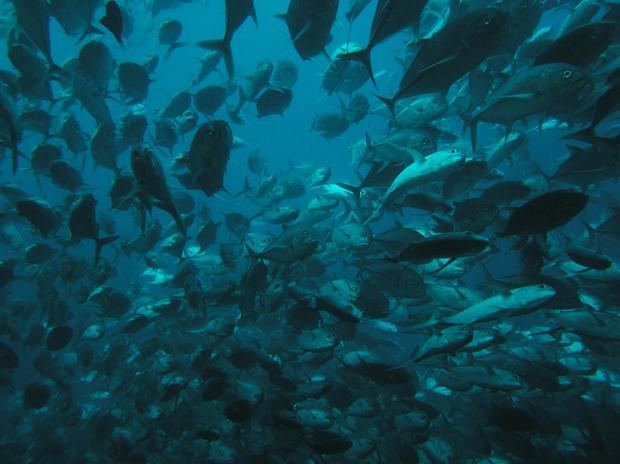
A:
83,223
208,156
423,171
309,23
151,181
446,245
516,302
547,89
545,212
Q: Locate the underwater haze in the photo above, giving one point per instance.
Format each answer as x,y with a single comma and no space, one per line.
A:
309,231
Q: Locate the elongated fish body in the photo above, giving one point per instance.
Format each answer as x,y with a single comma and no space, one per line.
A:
423,171
518,301
547,89
492,378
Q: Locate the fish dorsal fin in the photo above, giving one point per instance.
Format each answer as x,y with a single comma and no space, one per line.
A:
417,156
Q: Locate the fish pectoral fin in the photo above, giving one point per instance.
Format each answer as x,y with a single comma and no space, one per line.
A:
302,31
519,96
445,61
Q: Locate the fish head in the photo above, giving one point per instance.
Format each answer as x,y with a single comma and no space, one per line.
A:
449,157
141,160
459,332
305,241
569,83
214,135
264,67
482,27
535,295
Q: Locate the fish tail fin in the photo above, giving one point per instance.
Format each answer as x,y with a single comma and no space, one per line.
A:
356,191
101,242
170,209
390,103
172,48
361,56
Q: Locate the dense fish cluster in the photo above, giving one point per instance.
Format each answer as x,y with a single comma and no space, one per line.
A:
310,231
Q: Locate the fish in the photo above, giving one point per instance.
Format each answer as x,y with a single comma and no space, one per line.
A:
209,99
285,74
208,156
169,33
391,16
33,17
65,176
273,101
83,223
152,184
423,171
309,24
605,105
357,7
545,212
548,89
113,20
134,81
10,134
515,302
580,46
296,243
447,341
457,48
464,297
236,14
587,166
177,106
208,64
40,214
449,245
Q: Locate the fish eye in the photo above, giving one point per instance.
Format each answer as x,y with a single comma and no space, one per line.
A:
210,132
304,233
594,35
541,286
487,19
567,74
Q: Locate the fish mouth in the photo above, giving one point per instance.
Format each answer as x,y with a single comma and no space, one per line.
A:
364,243
583,88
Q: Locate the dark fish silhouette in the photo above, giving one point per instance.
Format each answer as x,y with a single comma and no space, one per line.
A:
83,223
113,20
391,16
309,24
237,11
